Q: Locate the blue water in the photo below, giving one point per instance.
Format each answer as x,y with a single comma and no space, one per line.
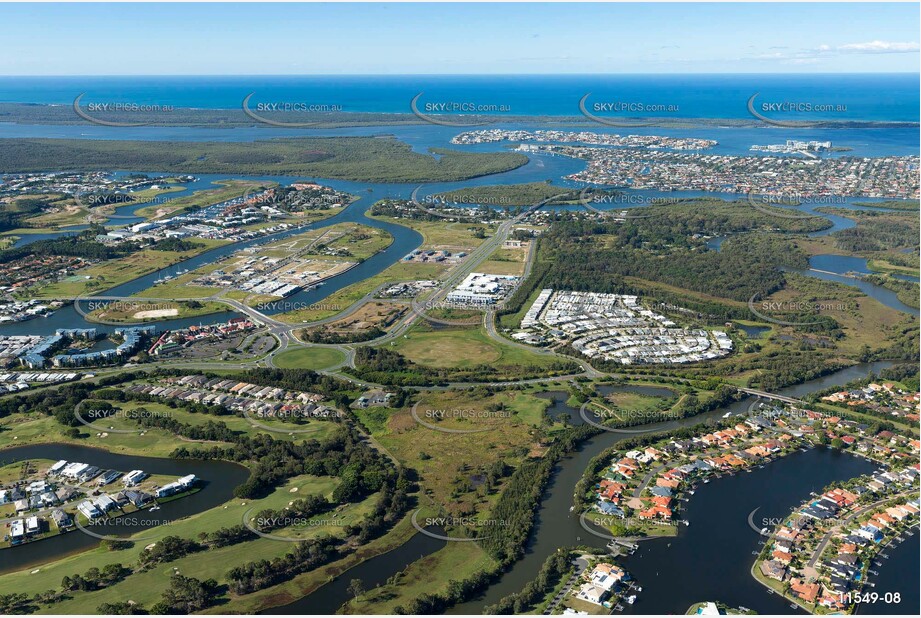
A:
843,264
889,97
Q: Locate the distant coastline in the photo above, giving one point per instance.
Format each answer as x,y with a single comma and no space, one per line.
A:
57,114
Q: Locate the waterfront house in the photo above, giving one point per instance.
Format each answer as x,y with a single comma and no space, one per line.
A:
177,486
774,569
782,557
105,503
806,592
869,532
609,508
61,519
137,498
591,593
17,530
33,525
89,510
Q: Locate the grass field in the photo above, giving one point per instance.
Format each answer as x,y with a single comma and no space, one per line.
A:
128,311
505,262
147,587
309,358
35,428
444,234
449,464
111,273
462,347
428,575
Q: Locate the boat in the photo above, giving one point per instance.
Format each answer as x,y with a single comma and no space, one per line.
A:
631,599
155,507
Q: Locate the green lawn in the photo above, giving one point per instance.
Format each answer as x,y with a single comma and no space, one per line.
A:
463,347
309,358
146,587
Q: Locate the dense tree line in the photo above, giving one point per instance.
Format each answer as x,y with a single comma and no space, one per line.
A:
260,574
176,244
187,595
83,245
384,366
95,578
344,454
746,266
512,516
320,335
551,572
372,159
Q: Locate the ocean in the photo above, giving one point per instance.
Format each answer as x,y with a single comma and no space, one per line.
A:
844,97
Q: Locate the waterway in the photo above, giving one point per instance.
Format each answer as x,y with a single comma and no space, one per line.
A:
218,480
556,527
711,559
900,573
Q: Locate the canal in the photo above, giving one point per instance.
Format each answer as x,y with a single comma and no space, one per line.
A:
555,526
218,480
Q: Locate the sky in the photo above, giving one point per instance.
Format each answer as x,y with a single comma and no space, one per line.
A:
395,38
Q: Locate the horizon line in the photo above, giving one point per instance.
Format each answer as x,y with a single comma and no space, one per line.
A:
380,75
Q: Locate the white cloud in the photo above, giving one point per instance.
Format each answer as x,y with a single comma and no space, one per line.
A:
879,47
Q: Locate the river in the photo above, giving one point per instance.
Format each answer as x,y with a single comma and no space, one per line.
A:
555,526
899,573
218,480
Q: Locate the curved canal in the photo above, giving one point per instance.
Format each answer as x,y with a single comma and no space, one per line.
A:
218,480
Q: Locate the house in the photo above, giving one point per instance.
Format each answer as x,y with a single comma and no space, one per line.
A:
609,508
774,569
105,503
17,530
177,486
592,593
782,557
61,518
89,510
806,592
606,576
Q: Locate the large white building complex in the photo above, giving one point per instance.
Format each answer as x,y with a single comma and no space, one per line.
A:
617,327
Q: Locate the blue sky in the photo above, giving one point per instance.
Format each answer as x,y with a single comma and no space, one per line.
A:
394,38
